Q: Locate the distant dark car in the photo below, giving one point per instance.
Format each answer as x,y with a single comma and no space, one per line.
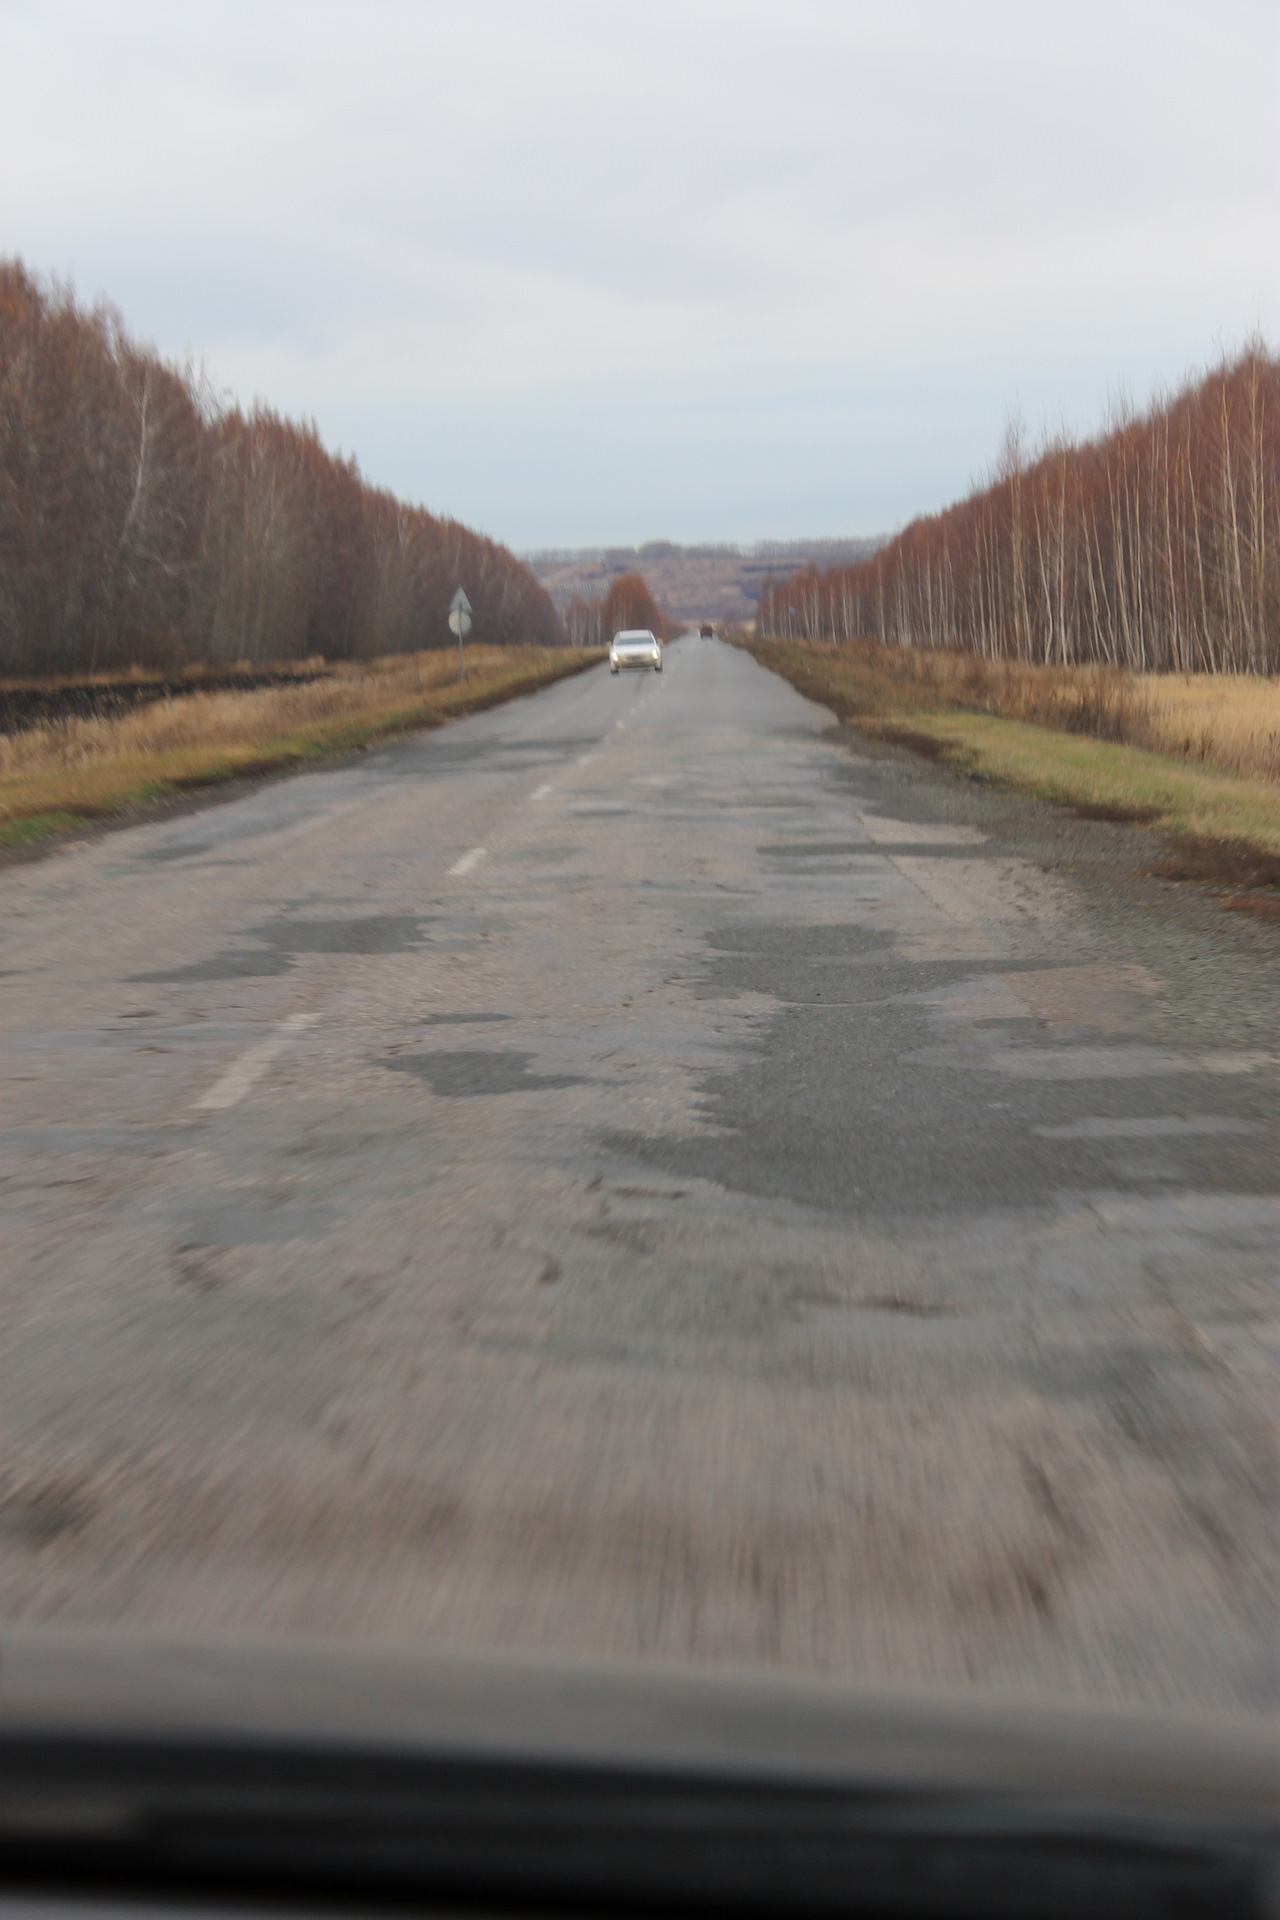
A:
706,631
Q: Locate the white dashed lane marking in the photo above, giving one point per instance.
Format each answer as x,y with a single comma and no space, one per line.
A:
467,862
540,793
251,1065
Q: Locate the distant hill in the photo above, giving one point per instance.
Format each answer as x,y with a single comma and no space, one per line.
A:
693,583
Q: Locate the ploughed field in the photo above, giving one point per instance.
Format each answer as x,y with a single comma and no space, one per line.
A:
29,704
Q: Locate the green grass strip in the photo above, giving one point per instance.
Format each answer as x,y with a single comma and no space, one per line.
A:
1193,805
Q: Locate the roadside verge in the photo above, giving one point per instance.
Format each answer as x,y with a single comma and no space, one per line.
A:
55,779
1223,828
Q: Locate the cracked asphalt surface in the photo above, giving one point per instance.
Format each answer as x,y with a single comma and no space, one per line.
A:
775,1202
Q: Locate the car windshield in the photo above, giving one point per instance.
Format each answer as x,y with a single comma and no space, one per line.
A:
525,1137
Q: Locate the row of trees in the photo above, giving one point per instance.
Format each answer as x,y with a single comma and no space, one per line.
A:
143,522
1155,547
628,603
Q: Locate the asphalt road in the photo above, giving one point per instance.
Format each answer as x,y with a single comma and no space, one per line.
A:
642,1172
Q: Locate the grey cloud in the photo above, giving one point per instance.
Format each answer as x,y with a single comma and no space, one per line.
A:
707,270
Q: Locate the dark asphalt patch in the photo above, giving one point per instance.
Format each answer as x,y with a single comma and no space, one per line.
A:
427,753
470,1072
550,745
423,755
848,1102
846,849
767,940
463,1019
747,959
370,933
156,856
236,965
814,849
550,856
234,1222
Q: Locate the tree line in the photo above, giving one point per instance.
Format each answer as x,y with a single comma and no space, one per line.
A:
1154,547
144,522
628,603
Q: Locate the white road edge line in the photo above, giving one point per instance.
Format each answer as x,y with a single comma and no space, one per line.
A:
467,862
251,1065
540,793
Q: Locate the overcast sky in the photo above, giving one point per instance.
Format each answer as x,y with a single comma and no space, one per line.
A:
600,273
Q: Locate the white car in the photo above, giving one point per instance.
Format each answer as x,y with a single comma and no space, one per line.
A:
635,647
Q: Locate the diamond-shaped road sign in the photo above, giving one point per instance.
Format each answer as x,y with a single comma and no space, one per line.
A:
460,623
459,615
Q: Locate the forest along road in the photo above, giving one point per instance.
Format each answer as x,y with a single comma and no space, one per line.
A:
644,1172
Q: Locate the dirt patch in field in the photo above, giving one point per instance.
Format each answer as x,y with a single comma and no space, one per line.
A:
925,744
28,704
1218,863
1263,906
1116,813
1246,879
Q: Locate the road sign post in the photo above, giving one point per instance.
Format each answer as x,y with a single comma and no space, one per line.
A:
460,623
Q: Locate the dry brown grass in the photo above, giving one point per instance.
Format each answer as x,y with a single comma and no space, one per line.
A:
52,776
1198,758
1230,722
